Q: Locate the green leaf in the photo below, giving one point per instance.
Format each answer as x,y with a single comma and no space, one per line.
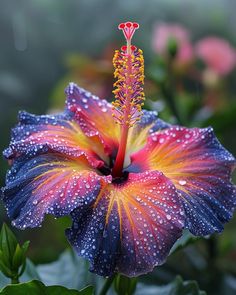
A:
70,271
87,291
186,239
8,243
18,257
38,288
25,247
12,255
4,269
177,287
29,274
4,260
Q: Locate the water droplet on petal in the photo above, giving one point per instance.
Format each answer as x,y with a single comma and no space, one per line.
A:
182,182
87,185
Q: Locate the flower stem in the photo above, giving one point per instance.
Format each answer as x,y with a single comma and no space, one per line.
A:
167,89
15,281
168,94
107,285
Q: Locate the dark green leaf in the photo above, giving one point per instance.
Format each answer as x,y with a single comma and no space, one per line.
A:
4,259
8,243
4,269
38,288
223,119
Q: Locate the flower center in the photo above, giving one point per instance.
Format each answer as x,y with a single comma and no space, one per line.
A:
129,72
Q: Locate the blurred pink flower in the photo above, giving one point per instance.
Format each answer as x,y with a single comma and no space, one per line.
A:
163,32
218,54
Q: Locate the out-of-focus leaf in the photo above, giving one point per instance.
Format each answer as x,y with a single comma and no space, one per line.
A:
222,119
177,287
228,285
186,239
38,288
157,74
70,271
30,273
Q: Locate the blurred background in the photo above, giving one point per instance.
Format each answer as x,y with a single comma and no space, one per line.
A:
190,60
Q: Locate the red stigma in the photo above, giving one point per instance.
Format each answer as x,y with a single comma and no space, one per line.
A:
128,29
124,48
121,26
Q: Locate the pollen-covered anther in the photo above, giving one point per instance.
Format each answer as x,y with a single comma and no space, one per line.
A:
129,72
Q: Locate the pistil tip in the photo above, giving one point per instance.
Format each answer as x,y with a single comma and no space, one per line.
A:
128,29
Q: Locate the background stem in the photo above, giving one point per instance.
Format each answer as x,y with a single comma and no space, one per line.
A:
15,281
168,95
107,285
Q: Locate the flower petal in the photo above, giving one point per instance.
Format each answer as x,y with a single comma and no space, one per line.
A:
95,115
48,183
59,133
131,227
199,167
139,133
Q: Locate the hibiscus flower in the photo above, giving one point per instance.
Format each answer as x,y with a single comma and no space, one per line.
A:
130,181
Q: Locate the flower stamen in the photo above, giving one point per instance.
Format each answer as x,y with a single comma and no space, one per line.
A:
129,94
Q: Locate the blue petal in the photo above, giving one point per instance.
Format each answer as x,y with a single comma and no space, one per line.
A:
200,168
96,240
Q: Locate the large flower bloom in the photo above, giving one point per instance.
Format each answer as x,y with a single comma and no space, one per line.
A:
130,188
218,55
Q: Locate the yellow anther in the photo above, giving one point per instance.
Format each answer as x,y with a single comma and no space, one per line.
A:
129,72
